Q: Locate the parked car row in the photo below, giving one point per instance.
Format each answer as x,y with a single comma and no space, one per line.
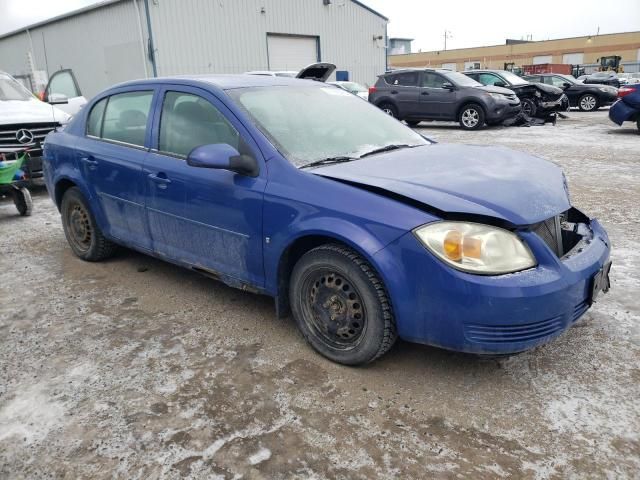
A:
587,97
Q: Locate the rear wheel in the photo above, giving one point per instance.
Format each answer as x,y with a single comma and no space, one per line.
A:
588,102
529,107
341,306
389,109
471,117
23,202
82,231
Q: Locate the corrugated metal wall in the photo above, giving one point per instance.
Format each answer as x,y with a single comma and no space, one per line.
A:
103,45
230,36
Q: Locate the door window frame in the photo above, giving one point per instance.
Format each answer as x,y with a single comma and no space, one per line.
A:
424,74
243,133
47,90
138,88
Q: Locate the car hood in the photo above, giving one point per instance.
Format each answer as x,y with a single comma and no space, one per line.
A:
462,179
494,89
30,111
548,88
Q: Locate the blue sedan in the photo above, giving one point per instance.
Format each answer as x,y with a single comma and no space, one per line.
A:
362,228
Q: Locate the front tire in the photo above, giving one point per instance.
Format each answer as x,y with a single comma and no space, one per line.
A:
413,123
341,306
81,229
471,117
588,102
529,107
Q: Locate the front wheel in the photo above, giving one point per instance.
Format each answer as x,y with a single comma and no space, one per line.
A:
341,306
81,229
23,202
588,102
471,117
529,107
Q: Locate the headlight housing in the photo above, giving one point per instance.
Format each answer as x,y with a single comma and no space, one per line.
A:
497,96
475,247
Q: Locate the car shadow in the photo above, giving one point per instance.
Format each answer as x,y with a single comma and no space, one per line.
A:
624,131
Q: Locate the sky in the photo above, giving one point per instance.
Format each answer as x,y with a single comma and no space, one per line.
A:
470,23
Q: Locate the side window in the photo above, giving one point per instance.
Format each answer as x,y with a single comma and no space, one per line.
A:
488,79
558,81
125,118
62,83
188,121
547,80
433,80
94,123
408,79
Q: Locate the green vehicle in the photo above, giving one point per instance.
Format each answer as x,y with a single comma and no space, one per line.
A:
13,181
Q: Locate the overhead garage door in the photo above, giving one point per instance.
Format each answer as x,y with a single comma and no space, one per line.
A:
540,59
289,52
573,58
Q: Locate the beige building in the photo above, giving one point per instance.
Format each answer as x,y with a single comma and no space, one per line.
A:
576,51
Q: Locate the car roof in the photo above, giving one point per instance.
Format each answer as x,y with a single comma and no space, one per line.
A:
484,70
402,70
224,82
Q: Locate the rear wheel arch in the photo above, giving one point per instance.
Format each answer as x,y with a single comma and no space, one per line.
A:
61,187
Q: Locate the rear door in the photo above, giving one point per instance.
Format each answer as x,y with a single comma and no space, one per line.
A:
205,217
403,90
111,156
436,101
63,84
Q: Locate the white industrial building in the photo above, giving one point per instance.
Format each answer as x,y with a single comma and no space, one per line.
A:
117,40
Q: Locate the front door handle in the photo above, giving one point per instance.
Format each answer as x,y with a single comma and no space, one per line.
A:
160,179
91,162
394,92
425,93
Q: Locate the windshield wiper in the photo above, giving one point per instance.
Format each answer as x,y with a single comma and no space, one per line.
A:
386,148
328,161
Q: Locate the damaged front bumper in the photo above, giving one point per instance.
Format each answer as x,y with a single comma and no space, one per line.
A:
558,105
499,314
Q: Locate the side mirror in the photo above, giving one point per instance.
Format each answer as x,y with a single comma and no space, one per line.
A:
57,99
448,86
566,84
222,156
500,84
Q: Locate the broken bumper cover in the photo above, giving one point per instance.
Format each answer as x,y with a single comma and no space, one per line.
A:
560,104
437,305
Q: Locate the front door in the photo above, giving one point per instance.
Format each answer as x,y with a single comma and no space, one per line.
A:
436,101
208,218
111,156
63,84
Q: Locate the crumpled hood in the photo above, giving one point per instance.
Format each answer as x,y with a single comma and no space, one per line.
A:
30,111
550,89
469,179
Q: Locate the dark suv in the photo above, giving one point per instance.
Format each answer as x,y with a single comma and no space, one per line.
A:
427,94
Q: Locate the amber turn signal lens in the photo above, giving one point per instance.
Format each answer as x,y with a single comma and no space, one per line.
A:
453,245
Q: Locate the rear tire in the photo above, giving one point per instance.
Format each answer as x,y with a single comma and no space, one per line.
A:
471,117
341,306
588,102
389,109
81,229
23,201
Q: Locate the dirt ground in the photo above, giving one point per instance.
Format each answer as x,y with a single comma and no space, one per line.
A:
134,368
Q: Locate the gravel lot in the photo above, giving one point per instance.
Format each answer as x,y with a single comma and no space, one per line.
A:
134,368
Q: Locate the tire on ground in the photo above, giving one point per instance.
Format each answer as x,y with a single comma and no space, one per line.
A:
471,117
81,229
588,102
378,330
389,109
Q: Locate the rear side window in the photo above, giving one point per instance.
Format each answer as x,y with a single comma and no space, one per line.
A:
125,117
189,121
94,123
407,79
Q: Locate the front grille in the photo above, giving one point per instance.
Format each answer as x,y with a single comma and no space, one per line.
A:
549,231
9,141
513,333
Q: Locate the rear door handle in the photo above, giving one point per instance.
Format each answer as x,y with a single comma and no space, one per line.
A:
160,179
91,162
394,92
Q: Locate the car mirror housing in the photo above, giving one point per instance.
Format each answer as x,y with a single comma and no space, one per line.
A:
566,84
57,99
448,86
222,156
500,84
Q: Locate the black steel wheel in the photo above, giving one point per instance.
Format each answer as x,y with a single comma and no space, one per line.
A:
22,200
529,107
82,231
341,306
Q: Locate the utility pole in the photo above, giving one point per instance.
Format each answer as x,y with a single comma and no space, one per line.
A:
447,34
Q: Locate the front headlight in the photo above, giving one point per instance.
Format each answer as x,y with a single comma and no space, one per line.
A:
476,248
497,96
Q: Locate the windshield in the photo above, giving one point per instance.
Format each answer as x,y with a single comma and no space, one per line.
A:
460,79
310,123
12,90
601,75
513,79
286,74
570,78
